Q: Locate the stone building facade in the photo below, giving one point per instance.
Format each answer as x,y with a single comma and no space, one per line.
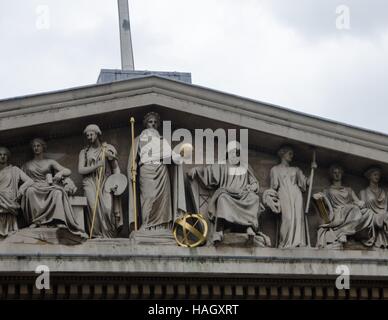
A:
120,267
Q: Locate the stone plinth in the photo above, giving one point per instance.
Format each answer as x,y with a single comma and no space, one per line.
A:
120,257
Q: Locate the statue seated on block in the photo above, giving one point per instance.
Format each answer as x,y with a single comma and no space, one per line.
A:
13,184
376,199
344,213
235,204
46,202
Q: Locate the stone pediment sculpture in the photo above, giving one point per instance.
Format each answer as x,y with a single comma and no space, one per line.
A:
157,192
259,225
97,162
235,204
160,195
285,198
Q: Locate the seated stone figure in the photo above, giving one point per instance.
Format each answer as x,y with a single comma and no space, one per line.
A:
10,193
235,203
46,203
347,215
376,199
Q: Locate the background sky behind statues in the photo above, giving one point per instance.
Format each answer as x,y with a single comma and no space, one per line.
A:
287,53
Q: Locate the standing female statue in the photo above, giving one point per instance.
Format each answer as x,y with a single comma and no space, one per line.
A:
289,183
376,199
46,202
10,193
160,201
347,214
100,157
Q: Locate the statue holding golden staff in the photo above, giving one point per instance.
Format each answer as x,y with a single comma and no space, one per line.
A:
46,202
160,181
97,162
13,184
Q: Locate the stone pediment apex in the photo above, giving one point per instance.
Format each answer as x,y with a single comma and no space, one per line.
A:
124,96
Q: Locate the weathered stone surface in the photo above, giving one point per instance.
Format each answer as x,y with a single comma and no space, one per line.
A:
118,256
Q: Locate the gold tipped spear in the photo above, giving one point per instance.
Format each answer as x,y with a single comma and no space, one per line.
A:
311,183
101,169
133,170
309,197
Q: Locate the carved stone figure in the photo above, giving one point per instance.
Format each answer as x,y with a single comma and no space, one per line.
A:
46,202
235,203
96,163
376,199
13,184
289,183
347,214
161,201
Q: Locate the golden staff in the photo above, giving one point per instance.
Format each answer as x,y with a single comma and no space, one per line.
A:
101,169
133,171
309,198
310,184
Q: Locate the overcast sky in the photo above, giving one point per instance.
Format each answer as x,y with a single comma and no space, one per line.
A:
288,53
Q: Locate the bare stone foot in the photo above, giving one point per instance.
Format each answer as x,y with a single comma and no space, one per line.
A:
342,239
251,236
217,237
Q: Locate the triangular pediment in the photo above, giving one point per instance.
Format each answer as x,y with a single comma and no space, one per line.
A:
63,113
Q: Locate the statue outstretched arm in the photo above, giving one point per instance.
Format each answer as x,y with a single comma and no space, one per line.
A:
60,170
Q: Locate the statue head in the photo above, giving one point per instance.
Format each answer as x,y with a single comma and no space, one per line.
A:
286,153
92,133
4,155
151,121
336,172
373,174
233,152
38,146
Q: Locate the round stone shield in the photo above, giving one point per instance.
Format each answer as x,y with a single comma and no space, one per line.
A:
190,230
116,183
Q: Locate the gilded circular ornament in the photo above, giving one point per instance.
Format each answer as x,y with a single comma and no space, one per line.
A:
190,230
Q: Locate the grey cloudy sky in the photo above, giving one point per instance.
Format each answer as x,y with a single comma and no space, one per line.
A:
288,53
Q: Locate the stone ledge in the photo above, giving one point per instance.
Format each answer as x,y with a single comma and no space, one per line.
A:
121,257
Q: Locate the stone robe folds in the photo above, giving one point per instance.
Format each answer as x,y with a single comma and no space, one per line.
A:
347,219
160,201
43,203
9,208
289,182
106,224
231,201
377,202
